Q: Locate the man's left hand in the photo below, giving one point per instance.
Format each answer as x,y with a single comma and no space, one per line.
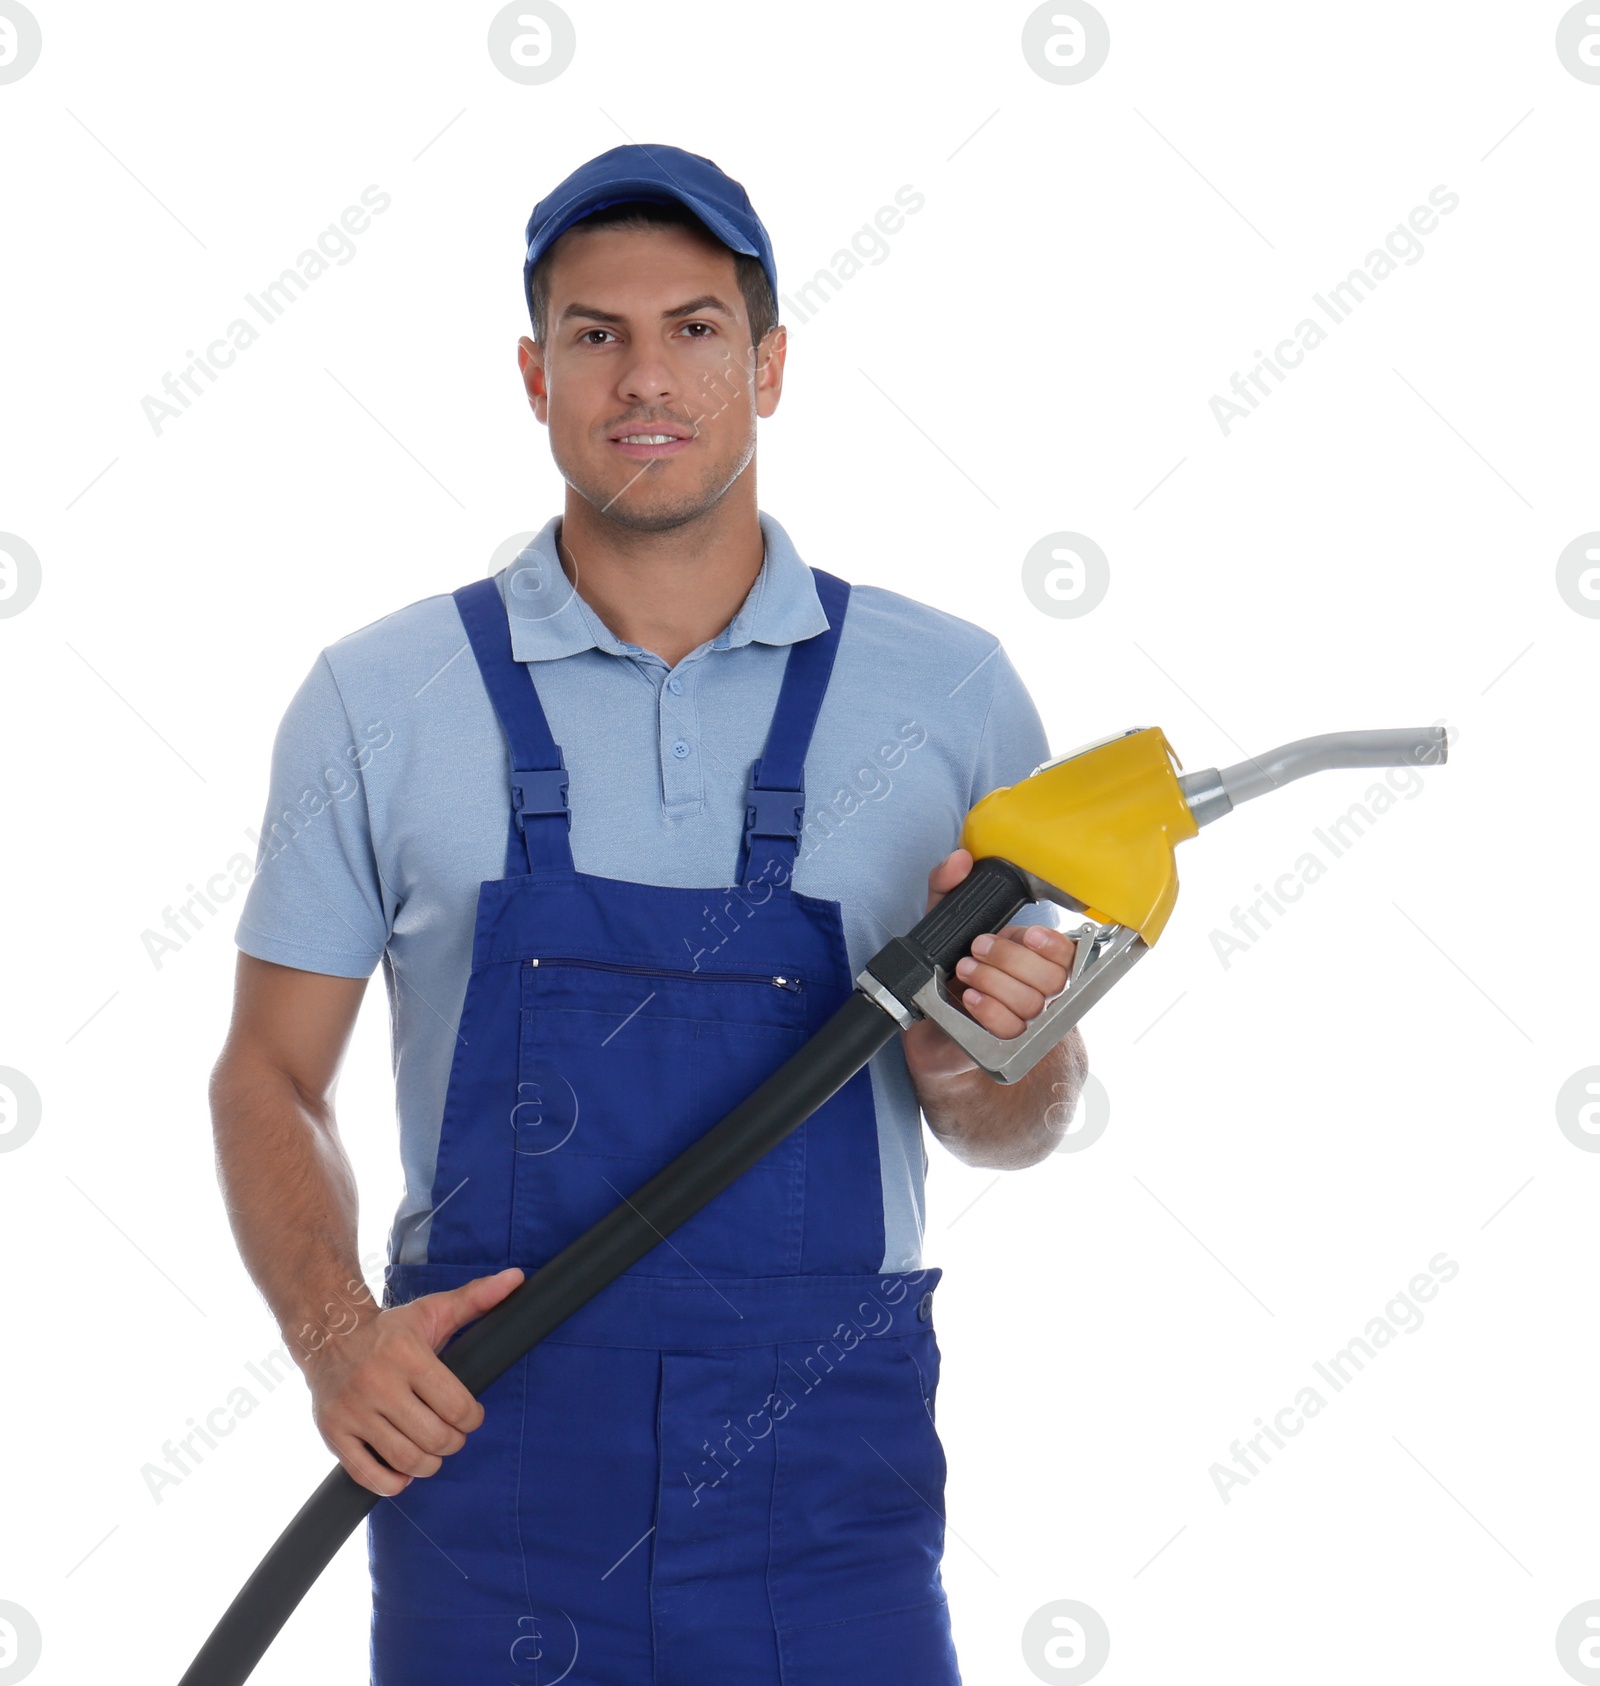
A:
1002,984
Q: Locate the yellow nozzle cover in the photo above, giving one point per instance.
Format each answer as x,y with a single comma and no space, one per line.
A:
1100,825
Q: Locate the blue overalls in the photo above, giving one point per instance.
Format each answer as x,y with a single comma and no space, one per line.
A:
723,1470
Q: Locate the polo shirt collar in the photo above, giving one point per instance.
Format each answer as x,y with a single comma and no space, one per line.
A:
549,619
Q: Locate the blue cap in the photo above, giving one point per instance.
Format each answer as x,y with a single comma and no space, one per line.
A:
664,174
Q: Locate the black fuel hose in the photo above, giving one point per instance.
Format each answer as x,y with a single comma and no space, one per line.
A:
984,901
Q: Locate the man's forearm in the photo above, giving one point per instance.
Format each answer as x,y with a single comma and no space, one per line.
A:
1007,1126
291,1199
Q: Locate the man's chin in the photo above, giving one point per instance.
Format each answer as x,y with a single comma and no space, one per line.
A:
641,508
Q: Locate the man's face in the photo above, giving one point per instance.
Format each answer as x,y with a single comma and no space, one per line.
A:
646,334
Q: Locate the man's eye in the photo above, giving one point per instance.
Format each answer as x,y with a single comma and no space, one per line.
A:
706,325
584,338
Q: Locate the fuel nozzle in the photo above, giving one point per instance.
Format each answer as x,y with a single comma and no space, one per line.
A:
1093,831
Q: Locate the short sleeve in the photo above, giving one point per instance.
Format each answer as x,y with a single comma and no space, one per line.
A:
1013,743
317,901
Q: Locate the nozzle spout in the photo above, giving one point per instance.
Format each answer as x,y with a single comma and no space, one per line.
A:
1215,792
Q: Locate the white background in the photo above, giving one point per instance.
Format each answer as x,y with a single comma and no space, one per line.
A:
1292,1137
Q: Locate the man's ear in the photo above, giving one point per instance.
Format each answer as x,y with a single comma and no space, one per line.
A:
769,369
530,359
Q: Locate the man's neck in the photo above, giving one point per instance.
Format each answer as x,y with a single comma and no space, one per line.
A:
667,591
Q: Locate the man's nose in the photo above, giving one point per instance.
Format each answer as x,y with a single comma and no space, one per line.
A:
647,379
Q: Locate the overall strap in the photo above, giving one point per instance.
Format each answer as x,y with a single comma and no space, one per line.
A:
541,820
775,800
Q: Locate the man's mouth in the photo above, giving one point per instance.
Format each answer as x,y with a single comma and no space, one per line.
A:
662,439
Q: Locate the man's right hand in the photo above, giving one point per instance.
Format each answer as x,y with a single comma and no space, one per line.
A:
381,1387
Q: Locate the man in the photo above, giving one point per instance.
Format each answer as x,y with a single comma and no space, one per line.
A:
622,823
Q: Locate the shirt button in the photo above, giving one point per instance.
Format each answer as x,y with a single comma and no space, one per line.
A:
675,686
680,749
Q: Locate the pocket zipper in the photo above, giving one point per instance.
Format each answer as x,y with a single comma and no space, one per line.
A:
779,982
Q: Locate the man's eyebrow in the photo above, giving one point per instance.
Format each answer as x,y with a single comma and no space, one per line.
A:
706,301
593,313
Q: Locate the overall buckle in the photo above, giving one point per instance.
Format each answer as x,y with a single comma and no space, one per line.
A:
538,790
772,813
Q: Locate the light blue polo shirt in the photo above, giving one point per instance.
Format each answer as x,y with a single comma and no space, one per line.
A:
389,805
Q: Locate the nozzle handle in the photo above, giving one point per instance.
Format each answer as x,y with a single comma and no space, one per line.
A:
983,901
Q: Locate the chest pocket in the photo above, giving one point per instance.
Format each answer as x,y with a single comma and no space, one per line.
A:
621,1067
